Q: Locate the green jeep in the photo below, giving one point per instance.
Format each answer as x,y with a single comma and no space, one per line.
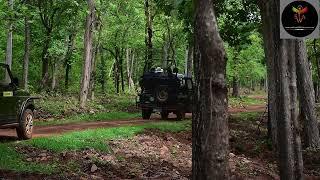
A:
16,106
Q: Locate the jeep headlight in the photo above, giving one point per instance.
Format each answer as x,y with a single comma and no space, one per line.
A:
151,99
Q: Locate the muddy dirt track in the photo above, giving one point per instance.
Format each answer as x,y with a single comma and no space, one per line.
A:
45,131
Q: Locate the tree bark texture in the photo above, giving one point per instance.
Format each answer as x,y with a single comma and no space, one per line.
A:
88,41
149,35
306,96
282,92
26,57
9,40
271,53
210,126
235,87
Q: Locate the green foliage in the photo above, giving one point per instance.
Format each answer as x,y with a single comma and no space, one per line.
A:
62,105
248,63
246,116
245,101
101,116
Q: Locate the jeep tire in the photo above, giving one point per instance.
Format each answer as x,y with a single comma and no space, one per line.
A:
164,115
146,113
25,129
162,94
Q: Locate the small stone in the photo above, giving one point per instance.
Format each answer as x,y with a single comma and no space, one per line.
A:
164,150
64,154
29,159
91,112
43,159
246,161
42,155
94,168
232,155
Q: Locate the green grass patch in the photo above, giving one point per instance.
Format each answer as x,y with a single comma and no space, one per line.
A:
245,101
246,116
101,116
11,160
96,138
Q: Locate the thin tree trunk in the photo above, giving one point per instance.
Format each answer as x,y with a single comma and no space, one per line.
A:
306,96
190,60
103,72
54,76
88,41
130,58
165,52
210,155
186,61
132,69
68,56
149,35
122,74
9,41
27,44
45,59
235,87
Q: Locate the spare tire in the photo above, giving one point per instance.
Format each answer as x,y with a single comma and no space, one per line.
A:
162,94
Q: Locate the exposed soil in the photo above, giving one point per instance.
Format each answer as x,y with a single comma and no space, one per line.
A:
45,131
158,155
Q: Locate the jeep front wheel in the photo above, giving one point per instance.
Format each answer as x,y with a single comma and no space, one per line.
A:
24,131
146,113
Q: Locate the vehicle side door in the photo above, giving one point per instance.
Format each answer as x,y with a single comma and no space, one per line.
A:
8,102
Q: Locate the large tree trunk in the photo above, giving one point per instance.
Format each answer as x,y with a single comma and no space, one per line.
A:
306,96
268,26
95,55
149,35
88,40
27,44
9,41
281,64
290,155
210,126
317,62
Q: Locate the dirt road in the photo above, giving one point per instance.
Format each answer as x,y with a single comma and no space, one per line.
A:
45,131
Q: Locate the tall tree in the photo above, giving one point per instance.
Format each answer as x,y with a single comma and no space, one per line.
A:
210,126
87,59
283,93
307,96
27,45
149,34
9,38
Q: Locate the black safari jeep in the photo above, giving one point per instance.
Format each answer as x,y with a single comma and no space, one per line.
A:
16,106
165,92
